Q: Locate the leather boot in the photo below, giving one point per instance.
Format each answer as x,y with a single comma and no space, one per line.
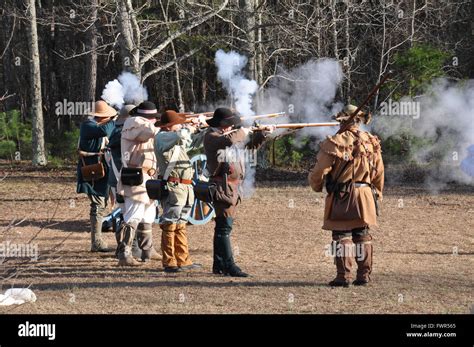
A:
145,240
124,249
181,248
344,262
223,257
98,244
217,264
167,245
364,259
136,251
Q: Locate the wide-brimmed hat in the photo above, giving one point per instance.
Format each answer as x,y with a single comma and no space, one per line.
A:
347,112
146,109
124,113
103,110
224,117
170,118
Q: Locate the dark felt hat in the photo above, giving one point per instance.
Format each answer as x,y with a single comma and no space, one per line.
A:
224,117
146,109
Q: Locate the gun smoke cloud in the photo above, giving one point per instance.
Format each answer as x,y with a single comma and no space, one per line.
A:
443,120
239,88
126,89
307,93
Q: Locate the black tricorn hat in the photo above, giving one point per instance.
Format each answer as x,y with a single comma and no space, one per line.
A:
146,109
224,117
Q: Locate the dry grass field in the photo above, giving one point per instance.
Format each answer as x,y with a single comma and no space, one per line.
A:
423,256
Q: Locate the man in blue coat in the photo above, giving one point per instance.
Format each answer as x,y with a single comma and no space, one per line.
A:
94,134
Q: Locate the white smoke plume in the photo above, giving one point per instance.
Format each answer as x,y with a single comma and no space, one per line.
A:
113,94
125,89
307,94
239,88
135,92
241,91
444,119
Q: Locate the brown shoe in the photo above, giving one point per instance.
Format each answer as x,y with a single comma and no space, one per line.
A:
128,261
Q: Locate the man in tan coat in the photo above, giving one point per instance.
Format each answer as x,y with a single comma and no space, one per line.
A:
137,146
351,164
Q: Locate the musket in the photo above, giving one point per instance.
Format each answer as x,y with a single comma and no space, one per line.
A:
295,125
266,115
259,116
371,94
190,117
194,115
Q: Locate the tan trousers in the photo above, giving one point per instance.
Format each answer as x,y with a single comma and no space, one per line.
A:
174,245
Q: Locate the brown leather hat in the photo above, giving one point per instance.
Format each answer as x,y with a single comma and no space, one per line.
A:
103,110
170,118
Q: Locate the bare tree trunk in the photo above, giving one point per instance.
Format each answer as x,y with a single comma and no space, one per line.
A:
334,29
382,52
318,27
411,17
91,63
334,37
191,86
472,37
39,153
129,39
348,53
259,55
248,7
178,81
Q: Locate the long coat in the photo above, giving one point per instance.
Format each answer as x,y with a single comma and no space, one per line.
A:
138,151
215,144
90,140
115,151
368,168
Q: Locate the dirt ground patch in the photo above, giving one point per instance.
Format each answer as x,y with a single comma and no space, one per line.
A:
424,256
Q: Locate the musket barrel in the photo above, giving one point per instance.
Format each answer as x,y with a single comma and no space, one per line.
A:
305,125
267,115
